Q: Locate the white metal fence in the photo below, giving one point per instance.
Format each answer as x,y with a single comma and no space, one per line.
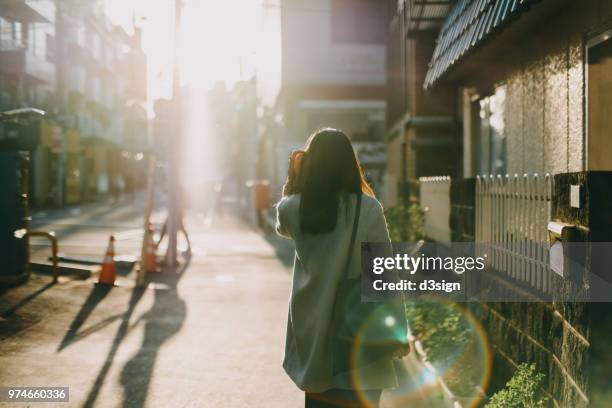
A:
436,201
512,214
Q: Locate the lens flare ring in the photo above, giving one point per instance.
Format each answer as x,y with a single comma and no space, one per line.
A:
418,381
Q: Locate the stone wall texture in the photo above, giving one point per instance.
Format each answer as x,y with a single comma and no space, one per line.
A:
545,110
543,115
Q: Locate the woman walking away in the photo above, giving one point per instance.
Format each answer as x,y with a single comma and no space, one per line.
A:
329,209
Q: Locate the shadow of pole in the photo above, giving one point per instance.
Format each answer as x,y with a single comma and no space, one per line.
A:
7,313
98,292
137,293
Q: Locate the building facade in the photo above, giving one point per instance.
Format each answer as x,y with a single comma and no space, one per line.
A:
90,78
422,131
102,88
333,75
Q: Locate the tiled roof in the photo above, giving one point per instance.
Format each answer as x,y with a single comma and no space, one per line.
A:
467,25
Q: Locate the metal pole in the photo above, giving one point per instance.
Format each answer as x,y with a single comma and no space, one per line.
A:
174,210
140,277
60,77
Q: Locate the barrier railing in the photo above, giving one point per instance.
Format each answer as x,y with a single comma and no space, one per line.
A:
512,214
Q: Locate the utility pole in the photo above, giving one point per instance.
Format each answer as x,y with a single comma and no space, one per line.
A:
60,91
60,36
175,213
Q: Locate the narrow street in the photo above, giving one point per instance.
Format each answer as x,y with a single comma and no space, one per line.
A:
212,336
491,163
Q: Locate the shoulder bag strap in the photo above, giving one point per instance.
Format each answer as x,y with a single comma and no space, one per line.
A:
353,236
337,312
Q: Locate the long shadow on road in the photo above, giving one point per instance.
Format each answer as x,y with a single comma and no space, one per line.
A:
137,293
13,323
7,313
98,292
163,320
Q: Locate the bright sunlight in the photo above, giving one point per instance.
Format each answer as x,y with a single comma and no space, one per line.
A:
225,41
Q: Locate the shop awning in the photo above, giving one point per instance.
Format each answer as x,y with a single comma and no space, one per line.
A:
468,25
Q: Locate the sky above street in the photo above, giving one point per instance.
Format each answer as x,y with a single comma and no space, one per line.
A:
221,40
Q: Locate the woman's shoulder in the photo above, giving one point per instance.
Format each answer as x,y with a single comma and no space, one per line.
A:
292,203
289,203
371,203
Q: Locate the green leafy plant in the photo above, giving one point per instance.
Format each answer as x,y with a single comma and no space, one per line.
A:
521,391
405,223
441,327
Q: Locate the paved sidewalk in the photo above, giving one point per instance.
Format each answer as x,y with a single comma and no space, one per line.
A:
214,340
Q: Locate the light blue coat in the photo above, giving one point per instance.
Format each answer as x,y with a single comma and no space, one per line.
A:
318,265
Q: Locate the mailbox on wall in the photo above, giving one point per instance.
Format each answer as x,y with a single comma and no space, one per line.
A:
560,234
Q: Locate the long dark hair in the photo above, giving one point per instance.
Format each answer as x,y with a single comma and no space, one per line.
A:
329,172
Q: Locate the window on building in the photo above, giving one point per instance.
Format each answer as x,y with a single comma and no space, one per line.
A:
110,56
50,48
358,21
31,39
96,89
81,37
95,40
599,103
490,137
17,31
11,34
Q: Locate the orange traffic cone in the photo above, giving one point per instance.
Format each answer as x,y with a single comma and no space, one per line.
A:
109,269
150,262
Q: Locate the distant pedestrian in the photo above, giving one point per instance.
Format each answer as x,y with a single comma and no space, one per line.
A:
117,186
328,209
180,228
